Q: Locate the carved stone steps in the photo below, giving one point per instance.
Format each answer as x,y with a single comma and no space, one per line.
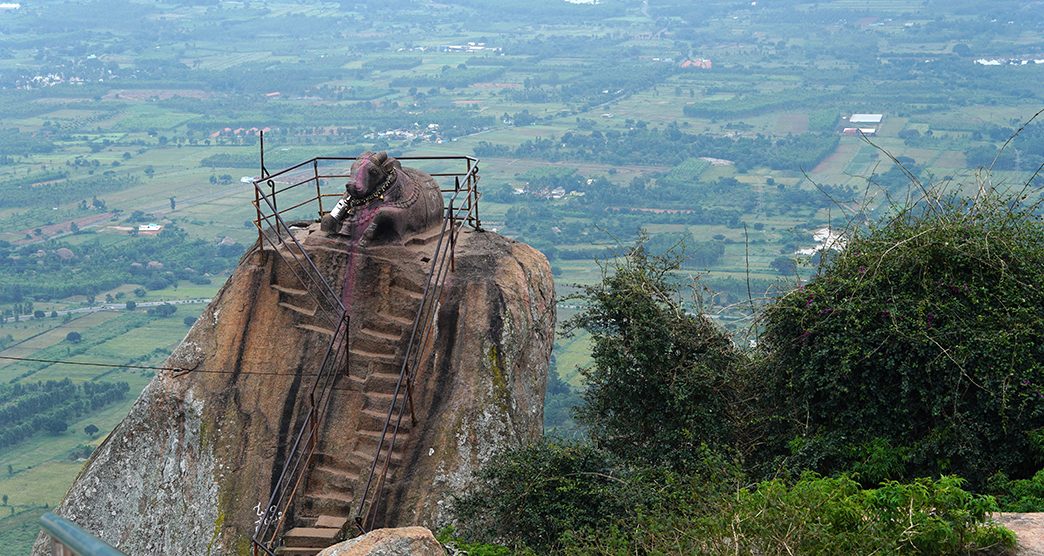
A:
425,238
330,503
375,435
367,455
298,551
391,325
384,381
306,537
298,309
375,419
324,478
379,335
358,354
375,341
314,328
410,293
329,521
335,470
288,290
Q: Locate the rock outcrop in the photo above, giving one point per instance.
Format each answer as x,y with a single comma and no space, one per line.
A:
190,467
1028,529
405,541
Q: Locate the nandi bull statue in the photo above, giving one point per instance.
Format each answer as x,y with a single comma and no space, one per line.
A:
384,202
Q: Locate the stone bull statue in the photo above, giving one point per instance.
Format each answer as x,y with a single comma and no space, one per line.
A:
384,202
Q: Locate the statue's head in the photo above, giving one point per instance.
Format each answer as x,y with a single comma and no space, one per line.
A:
369,171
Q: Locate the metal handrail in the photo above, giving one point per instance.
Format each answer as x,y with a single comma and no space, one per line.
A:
373,493
69,539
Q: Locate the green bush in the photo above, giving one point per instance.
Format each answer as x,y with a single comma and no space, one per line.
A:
918,349
813,516
530,496
1020,495
448,537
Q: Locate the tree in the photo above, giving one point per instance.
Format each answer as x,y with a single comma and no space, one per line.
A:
91,430
4,498
55,425
916,351
131,305
173,203
189,321
786,266
163,310
73,337
661,379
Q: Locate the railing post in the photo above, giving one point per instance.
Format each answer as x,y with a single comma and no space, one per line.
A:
257,206
275,208
467,184
409,398
318,192
452,235
475,192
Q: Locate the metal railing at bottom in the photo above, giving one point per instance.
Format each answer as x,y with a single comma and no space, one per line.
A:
69,539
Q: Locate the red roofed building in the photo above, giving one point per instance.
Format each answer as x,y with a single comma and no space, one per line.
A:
698,63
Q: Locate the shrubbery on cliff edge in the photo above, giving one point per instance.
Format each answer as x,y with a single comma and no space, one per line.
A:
919,349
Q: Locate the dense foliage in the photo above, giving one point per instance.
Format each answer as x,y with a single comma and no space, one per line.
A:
575,499
659,384
914,352
28,408
918,349
815,515
672,145
535,494
41,271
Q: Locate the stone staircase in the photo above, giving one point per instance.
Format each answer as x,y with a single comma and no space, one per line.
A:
341,466
294,298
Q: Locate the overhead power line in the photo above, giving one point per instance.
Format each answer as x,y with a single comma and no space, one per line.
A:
177,371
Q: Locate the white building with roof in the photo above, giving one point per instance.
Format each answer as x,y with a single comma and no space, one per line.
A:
866,118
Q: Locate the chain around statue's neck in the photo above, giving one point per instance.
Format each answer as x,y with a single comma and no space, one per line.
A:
354,203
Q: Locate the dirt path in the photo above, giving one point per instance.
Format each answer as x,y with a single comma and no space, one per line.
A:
1029,528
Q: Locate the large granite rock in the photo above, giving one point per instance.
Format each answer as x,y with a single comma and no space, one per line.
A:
1028,529
192,463
405,541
